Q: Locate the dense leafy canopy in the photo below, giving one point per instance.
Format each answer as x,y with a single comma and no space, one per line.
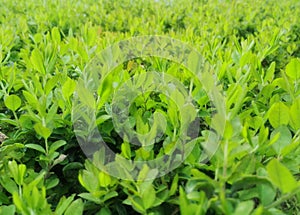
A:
253,50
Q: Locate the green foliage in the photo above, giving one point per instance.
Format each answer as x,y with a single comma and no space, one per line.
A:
252,49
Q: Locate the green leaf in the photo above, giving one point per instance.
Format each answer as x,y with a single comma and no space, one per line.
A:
14,170
267,194
51,83
42,130
51,182
7,210
25,121
185,206
290,147
126,151
4,199
104,211
31,99
12,102
247,182
68,88
37,61
144,172
85,95
148,197
278,114
104,179
178,98
37,180
188,114
270,72
137,204
19,203
294,114
88,180
102,119
76,208
55,35
21,173
8,184
244,208
194,61
228,132
141,126
109,195
293,69
56,145
285,138
63,204
35,147
72,166
10,121
90,197
281,176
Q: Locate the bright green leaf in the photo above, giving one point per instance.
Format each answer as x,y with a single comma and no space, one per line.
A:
293,69
279,114
12,102
7,210
37,61
281,176
56,145
295,114
148,197
244,208
63,204
42,130
55,35
104,179
76,208
35,147
68,88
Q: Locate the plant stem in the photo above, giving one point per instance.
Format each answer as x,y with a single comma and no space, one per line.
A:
17,119
283,198
46,145
223,181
